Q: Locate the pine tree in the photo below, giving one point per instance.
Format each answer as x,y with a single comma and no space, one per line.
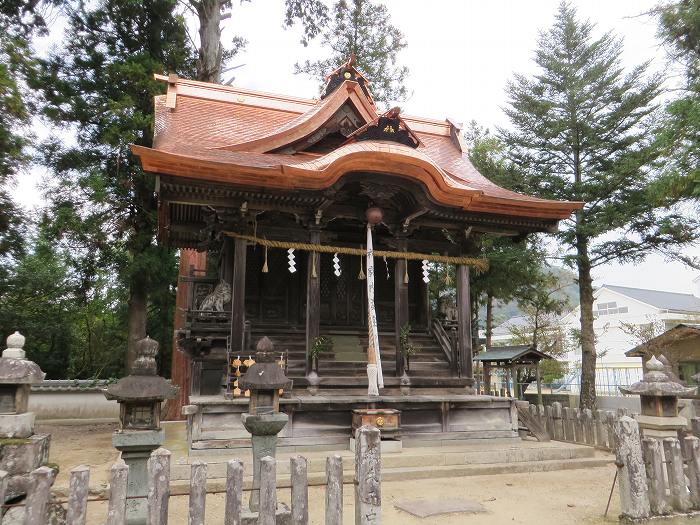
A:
363,28
100,84
679,134
581,131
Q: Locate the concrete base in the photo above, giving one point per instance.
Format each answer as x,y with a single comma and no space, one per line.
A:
387,445
325,419
16,425
283,516
660,427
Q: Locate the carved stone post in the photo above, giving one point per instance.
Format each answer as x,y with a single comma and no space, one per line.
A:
634,498
368,495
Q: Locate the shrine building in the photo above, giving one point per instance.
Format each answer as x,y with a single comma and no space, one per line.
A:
268,198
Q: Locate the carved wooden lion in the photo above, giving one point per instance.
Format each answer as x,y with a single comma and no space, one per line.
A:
215,301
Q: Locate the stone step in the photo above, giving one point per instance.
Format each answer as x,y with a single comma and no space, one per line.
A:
411,459
181,486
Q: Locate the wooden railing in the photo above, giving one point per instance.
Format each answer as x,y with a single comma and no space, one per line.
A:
367,487
440,334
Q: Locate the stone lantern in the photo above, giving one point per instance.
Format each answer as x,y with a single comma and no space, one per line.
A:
659,400
21,450
16,377
263,420
140,395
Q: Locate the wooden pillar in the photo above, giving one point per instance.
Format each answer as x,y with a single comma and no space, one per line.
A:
487,378
539,383
313,297
464,319
181,366
400,304
509,373
238,296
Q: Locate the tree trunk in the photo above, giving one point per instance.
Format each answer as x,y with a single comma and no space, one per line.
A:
588,356
136,312
489,319
210,49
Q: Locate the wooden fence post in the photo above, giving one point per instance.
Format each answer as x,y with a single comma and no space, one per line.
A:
40,481
78,494
116,511
601,435
588,427
368,482
549,422
676,479
654,464
692,453
4,478
334,490
268,491
557,422
634,498
234,492
695,426
611,418
198,493
300,490
158,486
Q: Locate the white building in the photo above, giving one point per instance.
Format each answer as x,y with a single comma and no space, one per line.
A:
621,312
621,315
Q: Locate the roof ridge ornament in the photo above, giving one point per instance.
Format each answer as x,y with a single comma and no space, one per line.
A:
388,126
346,71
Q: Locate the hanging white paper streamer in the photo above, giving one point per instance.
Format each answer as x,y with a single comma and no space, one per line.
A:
292,262
336,265
374,372
426,272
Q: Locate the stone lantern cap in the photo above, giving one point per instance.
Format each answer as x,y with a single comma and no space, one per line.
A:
16,370
657,383
142,384
265,374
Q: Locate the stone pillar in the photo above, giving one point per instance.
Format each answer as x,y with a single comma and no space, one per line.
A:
368,483
24,450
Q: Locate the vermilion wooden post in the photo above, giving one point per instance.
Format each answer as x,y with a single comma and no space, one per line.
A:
180,368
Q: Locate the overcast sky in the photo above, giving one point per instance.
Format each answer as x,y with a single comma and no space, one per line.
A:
460,55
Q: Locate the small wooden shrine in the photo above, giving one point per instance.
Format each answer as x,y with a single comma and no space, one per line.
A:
277,192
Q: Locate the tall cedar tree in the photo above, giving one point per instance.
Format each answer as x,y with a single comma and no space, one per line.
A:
19,21
363,28
212,54
581,132
679,29
100,84
516,265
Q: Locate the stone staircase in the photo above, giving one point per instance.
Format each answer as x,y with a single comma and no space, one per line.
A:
465,459
348,357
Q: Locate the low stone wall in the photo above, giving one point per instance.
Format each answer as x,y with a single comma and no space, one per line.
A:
68,399
630,403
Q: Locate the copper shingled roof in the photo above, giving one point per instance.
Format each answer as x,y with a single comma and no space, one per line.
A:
223,134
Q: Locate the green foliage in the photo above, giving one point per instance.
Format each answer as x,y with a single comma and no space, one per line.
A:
582,130
363,28
320,345
100,85
408,349
679,132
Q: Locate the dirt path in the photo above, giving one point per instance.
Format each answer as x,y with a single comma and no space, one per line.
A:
542,498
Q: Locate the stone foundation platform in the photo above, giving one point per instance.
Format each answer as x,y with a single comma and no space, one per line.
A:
325,420
18,457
